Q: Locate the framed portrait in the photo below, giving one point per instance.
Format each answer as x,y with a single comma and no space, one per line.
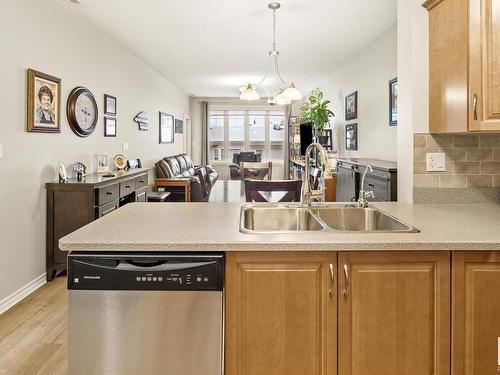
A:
109,126
393,102
179,126
44,103
109,105
166,128
351,137
351,106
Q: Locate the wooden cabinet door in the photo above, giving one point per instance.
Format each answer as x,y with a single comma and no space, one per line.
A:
394,313
475,313
280,315
484,47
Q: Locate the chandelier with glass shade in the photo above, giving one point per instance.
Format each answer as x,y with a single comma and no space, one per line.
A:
284,92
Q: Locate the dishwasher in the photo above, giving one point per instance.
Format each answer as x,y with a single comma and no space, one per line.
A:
145,313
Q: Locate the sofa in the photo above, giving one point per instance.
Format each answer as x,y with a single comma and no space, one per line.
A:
240,157
182,167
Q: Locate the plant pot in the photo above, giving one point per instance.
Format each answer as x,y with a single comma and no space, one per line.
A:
322,140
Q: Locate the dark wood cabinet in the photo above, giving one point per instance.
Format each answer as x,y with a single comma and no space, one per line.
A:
382,181
72,205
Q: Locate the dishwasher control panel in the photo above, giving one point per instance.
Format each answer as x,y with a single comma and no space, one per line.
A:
145,271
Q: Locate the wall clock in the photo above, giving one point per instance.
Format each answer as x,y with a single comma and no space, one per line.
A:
81,110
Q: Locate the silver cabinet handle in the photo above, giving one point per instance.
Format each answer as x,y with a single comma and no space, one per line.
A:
474,104
346,275
332,280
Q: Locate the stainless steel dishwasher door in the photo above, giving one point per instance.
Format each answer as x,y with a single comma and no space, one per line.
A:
145,332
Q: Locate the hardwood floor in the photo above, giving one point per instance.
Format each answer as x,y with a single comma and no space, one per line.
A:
34,333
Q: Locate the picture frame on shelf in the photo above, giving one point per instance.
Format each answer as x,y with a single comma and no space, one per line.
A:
44,102
166,128
393,102
351,106
109,105
109,126
351,137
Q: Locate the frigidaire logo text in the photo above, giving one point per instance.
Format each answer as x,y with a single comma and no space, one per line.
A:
92,277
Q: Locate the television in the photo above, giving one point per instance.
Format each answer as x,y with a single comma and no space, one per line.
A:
306,136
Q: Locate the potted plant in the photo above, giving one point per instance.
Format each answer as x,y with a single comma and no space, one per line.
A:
315,110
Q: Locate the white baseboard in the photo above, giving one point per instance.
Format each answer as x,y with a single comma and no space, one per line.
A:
22,293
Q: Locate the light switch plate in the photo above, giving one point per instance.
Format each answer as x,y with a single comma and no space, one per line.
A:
125,146
436,162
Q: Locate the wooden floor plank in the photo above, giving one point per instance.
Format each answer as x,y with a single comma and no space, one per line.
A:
34,333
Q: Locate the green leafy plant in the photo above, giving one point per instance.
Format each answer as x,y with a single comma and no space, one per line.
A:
315,110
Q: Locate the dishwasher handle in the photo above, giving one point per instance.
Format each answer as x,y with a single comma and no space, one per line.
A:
127,265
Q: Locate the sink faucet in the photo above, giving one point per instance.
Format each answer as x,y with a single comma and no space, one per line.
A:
308,194
362,201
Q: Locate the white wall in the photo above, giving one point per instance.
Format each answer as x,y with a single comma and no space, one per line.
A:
413,86
368,73
48,36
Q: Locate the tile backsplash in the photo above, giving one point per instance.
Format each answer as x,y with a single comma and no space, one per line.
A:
472,161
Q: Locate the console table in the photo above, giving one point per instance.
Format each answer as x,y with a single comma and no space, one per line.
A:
74,204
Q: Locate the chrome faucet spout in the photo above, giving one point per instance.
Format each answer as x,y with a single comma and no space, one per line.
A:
363,195
308,194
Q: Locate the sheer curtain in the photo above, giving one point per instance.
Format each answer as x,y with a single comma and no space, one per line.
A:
287,112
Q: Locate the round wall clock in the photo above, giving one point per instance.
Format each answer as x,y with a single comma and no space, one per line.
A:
81,110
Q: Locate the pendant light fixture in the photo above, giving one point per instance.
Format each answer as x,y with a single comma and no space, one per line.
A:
284,92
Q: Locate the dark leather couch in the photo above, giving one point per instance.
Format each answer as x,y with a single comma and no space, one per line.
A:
181,166
234,167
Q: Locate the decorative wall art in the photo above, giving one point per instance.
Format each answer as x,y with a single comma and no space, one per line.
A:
82,112
142,119
393,102
351,137
44,102
179,126
351,106
166,128
109,105
109,127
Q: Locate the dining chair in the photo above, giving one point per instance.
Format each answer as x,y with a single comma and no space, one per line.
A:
204,183
272,191
256,171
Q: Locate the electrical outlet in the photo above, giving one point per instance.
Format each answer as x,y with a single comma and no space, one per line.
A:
125,146
436,162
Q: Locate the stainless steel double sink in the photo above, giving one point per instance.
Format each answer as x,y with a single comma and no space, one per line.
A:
294,218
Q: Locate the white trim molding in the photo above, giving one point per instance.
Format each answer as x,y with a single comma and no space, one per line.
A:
22,293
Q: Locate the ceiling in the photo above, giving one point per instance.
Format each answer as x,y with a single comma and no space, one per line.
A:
211,47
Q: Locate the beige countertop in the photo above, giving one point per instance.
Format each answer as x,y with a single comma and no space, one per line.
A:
215,227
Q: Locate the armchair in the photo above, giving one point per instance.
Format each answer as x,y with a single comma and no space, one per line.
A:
238,158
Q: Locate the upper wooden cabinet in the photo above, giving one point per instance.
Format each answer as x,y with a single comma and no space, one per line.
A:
281,314
394,313
476,313
464,65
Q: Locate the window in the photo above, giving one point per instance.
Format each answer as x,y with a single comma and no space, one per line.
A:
216,136
261,131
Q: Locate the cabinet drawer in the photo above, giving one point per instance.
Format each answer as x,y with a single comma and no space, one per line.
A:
106,209
127,187
380,186
106,194
140,195
141,182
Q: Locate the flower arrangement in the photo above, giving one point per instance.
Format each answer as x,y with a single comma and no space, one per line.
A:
80,169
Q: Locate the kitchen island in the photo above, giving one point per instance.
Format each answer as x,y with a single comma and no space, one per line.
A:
336,302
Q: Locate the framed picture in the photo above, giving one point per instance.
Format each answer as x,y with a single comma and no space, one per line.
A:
109,105
351,106
109,126
393,102
351,137
179,126
44,102
166,128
